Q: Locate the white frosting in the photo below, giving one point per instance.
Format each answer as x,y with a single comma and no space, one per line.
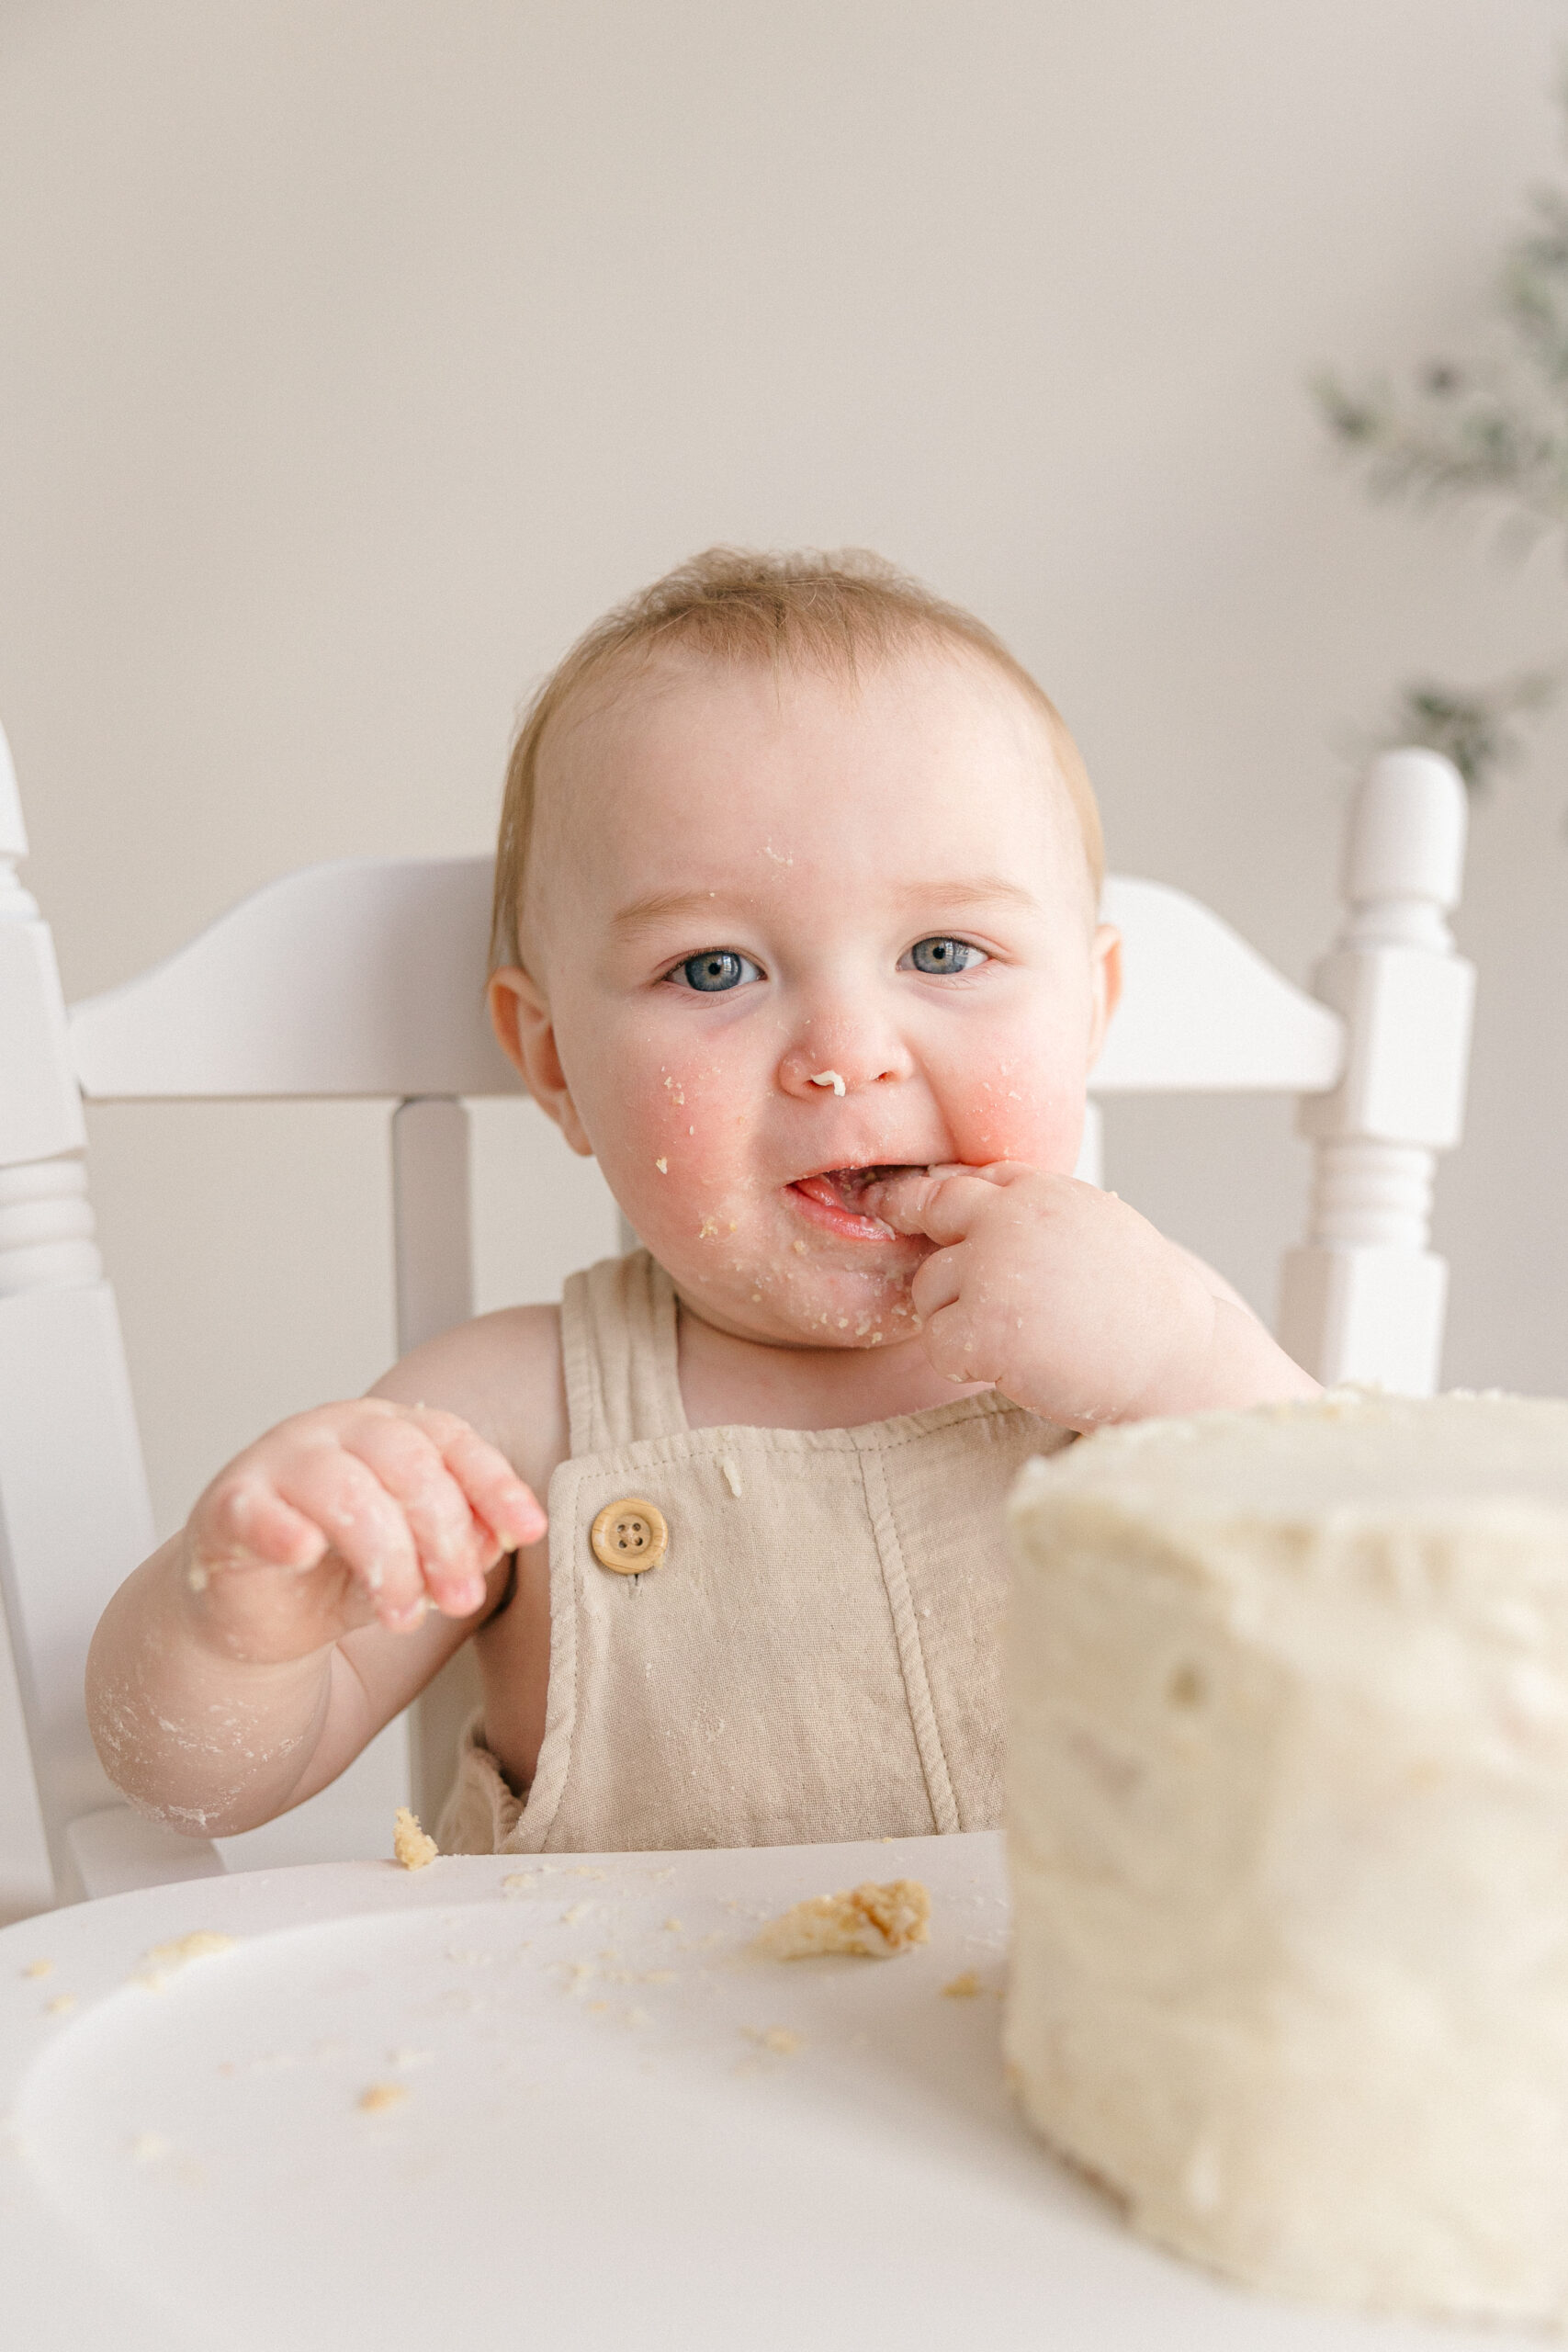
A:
1288,1827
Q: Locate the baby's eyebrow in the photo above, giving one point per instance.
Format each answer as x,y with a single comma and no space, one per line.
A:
948,895
659,906
979,891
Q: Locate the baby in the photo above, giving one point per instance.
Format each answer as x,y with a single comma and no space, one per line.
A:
795,931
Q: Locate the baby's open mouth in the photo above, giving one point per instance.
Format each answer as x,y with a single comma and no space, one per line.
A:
837,1196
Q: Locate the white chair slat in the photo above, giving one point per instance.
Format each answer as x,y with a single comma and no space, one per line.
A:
1202,1011
431,1238
367,977
364,976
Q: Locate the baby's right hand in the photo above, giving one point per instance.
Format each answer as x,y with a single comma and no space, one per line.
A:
347,1513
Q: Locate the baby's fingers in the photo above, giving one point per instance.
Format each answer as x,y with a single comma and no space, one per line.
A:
363,1524
493,1490
937,1283
245,1523
938,1203
955,1346
453,1548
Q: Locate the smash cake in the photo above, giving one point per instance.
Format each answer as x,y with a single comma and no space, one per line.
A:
1288,1835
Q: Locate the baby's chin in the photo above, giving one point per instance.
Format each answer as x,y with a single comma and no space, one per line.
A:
803,1321
810,1290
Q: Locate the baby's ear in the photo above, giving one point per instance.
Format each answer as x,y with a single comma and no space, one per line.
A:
1105,954
519,1015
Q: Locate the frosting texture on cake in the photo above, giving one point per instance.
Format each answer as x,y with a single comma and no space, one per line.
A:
1287,1830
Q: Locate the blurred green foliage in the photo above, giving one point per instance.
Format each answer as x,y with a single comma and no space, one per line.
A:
1493,428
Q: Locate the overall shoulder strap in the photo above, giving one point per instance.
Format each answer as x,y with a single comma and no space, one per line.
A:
618,1352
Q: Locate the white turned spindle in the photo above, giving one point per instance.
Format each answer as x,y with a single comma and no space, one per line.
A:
1372,1196
1364,1298
46,1225
74,1516
45,1228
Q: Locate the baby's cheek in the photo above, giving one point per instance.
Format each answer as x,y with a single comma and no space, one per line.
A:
677,1147
1013,1111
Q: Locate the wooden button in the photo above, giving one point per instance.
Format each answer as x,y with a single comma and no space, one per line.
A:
629,1536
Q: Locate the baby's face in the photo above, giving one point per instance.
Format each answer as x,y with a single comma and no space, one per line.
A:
786,931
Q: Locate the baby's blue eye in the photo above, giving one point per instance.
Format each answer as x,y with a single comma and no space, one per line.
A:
716,969
944,955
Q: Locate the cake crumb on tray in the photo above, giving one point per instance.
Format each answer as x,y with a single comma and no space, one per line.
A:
380,2096
411,1845
779,2040
159,1964
869,1922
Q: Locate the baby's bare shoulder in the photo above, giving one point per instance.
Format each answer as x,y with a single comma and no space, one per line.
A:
1213,1279
502,1375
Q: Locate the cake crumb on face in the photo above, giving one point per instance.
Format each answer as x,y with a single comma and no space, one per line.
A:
410,1845
869,1922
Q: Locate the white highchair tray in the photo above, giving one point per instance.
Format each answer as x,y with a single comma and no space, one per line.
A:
594,2121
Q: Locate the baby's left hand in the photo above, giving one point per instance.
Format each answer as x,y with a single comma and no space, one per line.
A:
1071,1303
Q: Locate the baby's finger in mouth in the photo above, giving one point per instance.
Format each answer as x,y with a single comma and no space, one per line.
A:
901,1201
938,1202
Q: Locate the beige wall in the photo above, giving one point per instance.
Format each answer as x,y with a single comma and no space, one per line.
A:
357,352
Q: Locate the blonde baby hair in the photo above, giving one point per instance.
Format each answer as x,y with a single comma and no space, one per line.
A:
823,610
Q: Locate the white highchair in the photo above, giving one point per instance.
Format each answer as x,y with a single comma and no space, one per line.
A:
364,977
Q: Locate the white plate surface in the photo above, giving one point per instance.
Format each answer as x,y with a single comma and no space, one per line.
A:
617,2128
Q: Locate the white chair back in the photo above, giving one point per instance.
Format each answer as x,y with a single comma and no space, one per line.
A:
367,977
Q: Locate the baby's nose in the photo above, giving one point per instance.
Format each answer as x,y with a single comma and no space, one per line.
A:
834,1066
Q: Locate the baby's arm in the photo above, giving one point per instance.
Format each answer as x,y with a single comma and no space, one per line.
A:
323,1579
1075,1305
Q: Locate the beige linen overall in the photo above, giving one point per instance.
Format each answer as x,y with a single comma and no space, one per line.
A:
816,1657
